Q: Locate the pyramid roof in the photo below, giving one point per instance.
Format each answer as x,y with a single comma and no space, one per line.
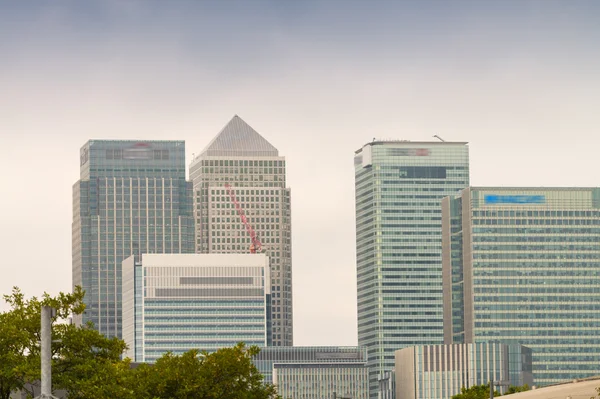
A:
237,138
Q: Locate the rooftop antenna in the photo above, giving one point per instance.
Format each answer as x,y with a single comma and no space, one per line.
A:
438,137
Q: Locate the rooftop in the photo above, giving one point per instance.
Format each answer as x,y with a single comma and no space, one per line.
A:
410,143
237,138
585,388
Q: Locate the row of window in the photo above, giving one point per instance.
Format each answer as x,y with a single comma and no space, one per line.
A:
537,222
243,162
532,231
537,255
595,246
579,238
538,213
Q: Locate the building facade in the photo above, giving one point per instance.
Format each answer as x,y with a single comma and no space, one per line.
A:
240,171
132,198
399,188
440,371
175,303
316,372
521,265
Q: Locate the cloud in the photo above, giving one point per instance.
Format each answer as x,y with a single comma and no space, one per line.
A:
516,79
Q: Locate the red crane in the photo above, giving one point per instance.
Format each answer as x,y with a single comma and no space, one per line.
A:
256,245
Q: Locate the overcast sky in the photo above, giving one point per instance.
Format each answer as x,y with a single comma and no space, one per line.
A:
519,80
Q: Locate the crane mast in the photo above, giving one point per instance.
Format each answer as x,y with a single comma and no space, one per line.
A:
256,245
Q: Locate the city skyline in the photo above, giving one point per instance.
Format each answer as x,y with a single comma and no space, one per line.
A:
516,80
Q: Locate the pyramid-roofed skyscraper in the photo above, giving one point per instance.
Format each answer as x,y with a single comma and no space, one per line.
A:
239,163
238,138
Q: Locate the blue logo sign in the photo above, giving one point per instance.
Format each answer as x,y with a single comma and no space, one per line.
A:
515,199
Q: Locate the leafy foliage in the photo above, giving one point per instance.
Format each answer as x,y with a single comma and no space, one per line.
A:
20,336
88,365
483,392
514,389
475,392
227,373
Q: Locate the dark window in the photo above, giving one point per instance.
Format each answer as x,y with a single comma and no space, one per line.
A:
422,172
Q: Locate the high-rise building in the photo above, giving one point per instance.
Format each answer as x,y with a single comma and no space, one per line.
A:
132,198
175,303
399,188
441,371
522,265
240,185
315,372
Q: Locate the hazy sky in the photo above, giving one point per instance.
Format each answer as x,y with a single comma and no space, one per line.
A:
519,80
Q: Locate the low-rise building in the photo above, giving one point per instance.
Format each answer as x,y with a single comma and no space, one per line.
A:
316,372
175,303
440,371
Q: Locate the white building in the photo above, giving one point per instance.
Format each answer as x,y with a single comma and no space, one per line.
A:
176,302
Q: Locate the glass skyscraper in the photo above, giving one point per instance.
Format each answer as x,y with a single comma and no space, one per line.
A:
522,265
399,188
239,165
132,198
175,303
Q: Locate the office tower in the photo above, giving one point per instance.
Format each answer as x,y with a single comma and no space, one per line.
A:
239,178
399,188
440,371
175,303
131,198
521,265
315,372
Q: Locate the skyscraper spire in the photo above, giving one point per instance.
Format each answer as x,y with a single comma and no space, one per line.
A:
237,138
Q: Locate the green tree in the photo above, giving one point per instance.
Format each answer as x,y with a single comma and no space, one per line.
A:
225,374
515,389
483,392
475,392
85,363
88,366
15,370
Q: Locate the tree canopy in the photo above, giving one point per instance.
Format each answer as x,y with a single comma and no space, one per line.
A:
88,365
483,392
227,373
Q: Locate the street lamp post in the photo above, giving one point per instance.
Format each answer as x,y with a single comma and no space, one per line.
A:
46,352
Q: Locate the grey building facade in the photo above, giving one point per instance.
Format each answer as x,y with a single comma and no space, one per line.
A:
522,266
316,372
241,172
399,187
440,371
132,198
